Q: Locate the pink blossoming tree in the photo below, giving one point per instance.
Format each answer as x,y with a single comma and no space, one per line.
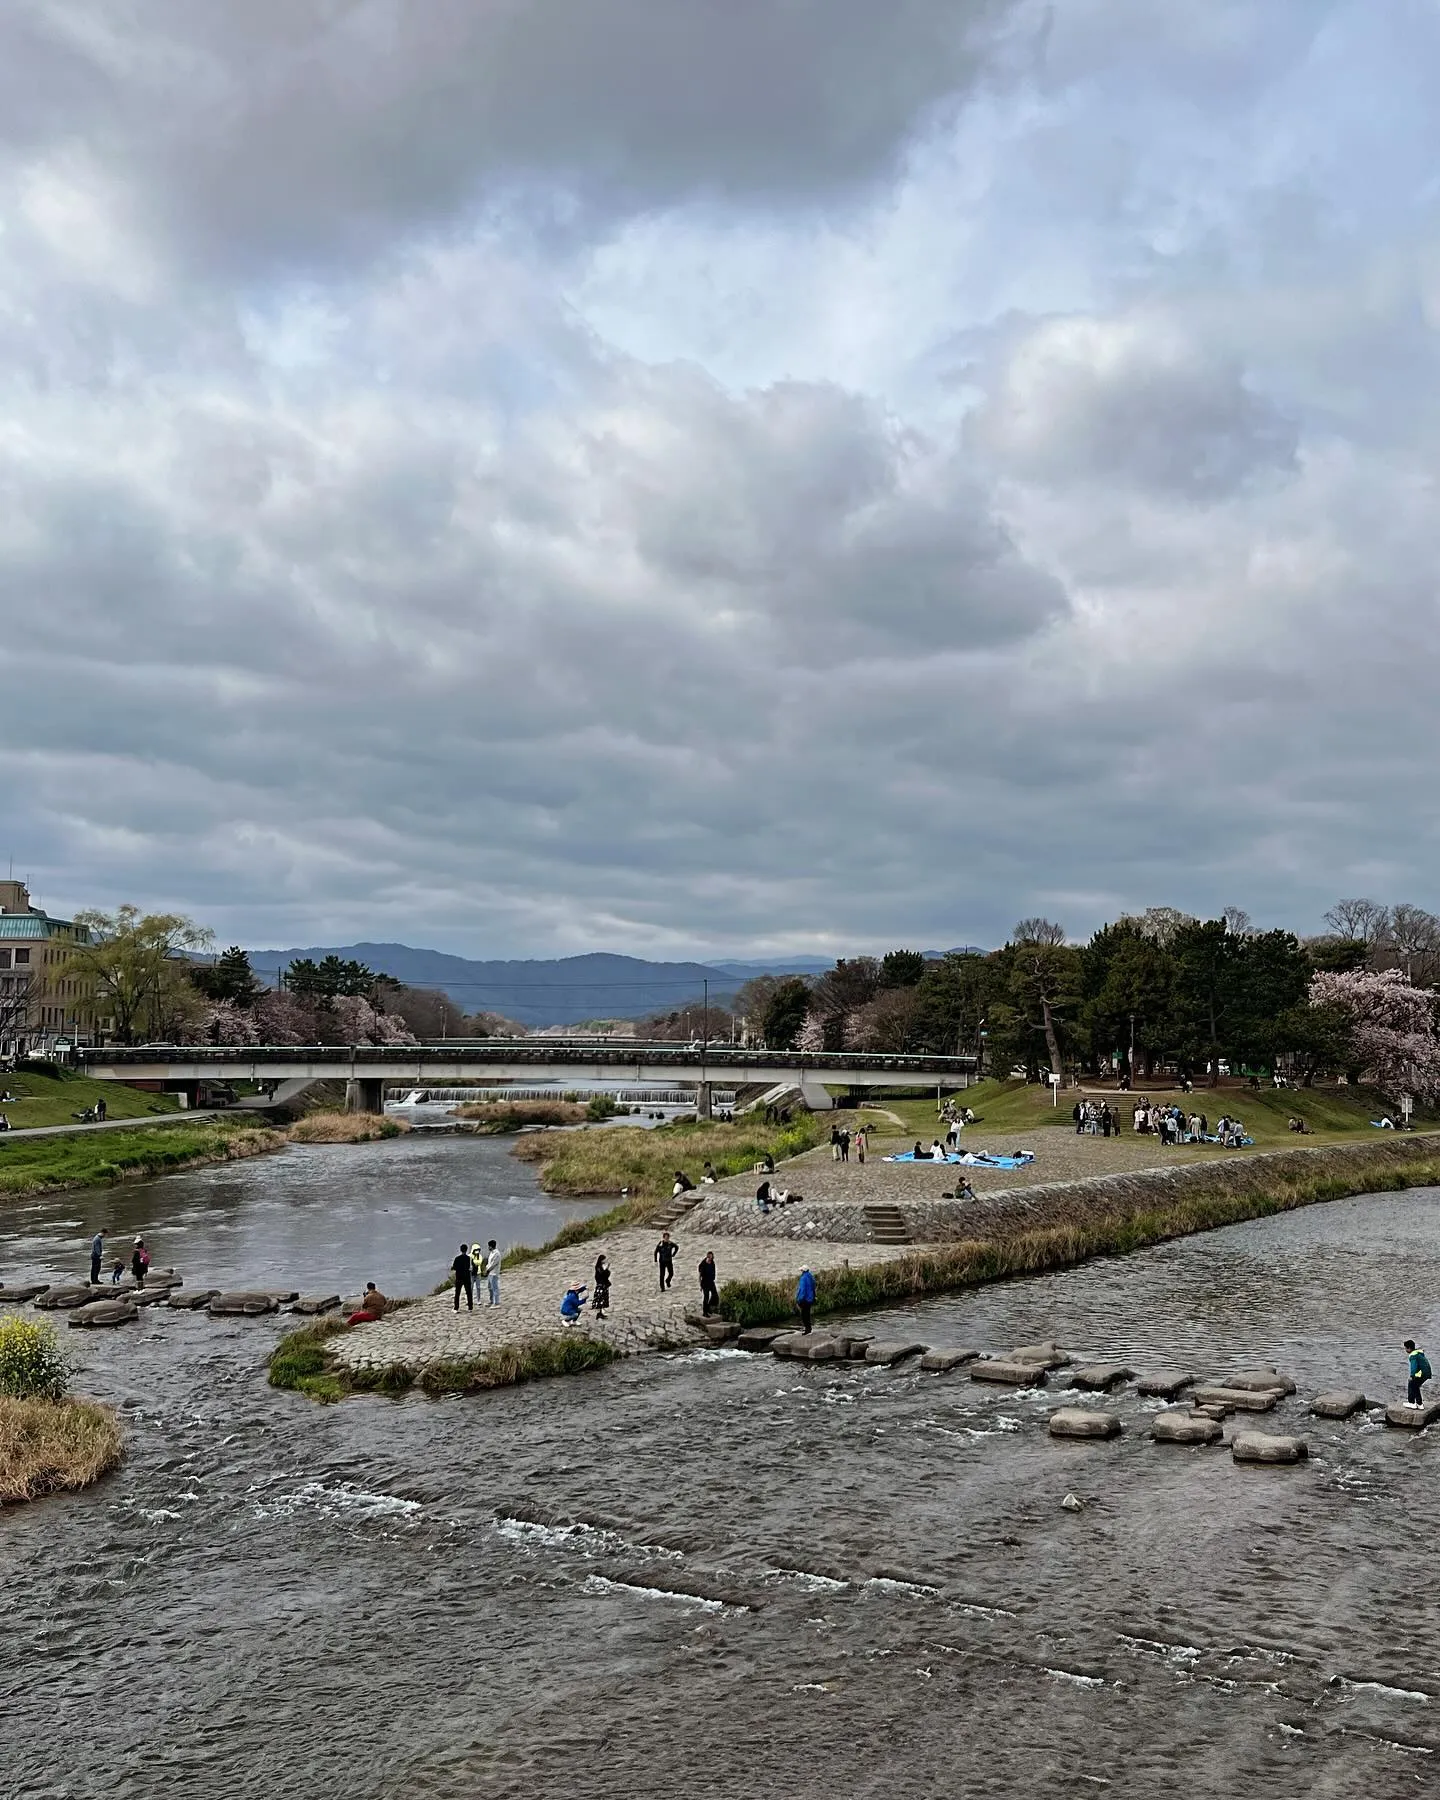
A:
1391,1024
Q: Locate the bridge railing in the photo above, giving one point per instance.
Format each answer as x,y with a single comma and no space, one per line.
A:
522,1050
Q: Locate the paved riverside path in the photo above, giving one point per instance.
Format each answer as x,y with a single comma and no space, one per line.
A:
146,1119
640,1317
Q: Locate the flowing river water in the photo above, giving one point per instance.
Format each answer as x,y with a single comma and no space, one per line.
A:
712,1573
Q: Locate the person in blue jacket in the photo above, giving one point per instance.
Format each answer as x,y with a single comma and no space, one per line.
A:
573,1304
1419,1374
805,1297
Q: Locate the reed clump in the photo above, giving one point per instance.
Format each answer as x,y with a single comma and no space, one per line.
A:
496,1116
344,1128
644,1161
54,1446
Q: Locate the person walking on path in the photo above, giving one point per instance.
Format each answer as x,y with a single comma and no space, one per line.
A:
862,1144
844,1146
1419,1374
600,1299
492,1272
665,1256
464,1271
97,1252
834,1143
139,1261
709,1293
805,1297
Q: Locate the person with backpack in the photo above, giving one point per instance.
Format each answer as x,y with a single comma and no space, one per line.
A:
139,1262
1419,1374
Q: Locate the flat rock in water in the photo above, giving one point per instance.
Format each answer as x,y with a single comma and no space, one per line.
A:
789,1343
1237,1399
821,1349
148,1296
857,1345
1412,1418
760,1337
1080,1422
1007,1373
1267,1447
242,1305
104,1312
1185,1427
1099,1378
1259,1381
23,1292
191,1300
1341,1404
1166,1384
52,1299
317,1303
1048,1355
888,1353
283,1296
939,1361
719,1331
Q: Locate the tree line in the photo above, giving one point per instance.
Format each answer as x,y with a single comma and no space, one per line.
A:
1158,992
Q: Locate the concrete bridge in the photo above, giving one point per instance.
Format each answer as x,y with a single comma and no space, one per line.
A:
368,1069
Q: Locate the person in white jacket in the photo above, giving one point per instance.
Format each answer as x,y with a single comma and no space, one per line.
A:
492,1272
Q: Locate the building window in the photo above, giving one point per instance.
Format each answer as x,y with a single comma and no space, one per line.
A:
4,959
22,956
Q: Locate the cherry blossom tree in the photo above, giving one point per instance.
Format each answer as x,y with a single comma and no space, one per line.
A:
1392,1027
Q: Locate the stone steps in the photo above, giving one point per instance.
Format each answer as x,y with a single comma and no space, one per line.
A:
886,1225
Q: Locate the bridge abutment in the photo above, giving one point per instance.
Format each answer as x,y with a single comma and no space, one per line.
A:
365,1096
704,1101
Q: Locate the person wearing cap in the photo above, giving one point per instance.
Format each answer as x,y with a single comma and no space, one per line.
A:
805,1296
573,1304
139,1261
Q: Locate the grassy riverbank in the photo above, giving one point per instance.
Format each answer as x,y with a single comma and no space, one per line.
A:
301,1363
54,1099
54,1446
90,1159
1144,1211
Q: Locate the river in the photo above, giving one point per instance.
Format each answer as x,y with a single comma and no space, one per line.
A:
714,1573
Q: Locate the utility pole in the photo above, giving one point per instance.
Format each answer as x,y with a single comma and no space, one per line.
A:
1132,1049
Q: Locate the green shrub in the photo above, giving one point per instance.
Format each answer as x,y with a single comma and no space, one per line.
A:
32,1364
600,1108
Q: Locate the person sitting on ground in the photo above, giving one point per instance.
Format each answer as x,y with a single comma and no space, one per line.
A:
683,1184
767,1162
372,1306
918,1153
782,1196
710,1177
963,1189
937,1151
1386,1124
573,1304
762,1197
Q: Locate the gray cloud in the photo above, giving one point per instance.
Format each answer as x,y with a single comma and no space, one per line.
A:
294,128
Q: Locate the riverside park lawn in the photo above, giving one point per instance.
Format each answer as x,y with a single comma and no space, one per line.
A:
55,1099
1334,1114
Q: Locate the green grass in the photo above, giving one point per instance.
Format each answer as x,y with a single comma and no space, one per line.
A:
1332,1113
52,1100
301,1363
85,1159
627,1156
1196,1197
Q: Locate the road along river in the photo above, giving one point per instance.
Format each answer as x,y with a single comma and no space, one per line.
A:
713,1573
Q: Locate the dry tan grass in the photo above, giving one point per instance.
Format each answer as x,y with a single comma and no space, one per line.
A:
510,1115
344,1128
54,1446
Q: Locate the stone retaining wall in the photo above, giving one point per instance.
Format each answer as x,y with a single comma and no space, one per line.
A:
1006,1211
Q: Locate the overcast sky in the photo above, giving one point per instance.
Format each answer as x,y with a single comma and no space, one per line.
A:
718,476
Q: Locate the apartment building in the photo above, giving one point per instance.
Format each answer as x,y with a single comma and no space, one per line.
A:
39,1007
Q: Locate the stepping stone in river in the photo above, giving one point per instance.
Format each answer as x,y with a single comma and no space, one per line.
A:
1267,1447
317,1303
856,1344
789,1343
148,1296
1259,1381
820,1349
53,1299
1099,1378
939,1362
104,1312
1007,1373
191,1300
1185,1427
23,1292
760,1337
1048,1355
719,1331
242,1305
1412,1418
1341,1404
1082,1422
1237,1399
1165,1384
283,1296
889,1353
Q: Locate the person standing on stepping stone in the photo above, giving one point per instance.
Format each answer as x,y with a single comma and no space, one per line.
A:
464,1272
1419,1374
709,1293
97,1252
805,1297
665,1256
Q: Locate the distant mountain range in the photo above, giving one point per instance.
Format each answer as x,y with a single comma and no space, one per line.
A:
560,991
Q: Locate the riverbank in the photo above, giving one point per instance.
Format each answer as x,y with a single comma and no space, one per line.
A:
55,1446
1019,1231
50,1164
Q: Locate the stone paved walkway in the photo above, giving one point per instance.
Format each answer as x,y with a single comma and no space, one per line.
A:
640,1318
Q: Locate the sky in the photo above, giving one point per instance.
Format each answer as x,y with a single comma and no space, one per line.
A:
718,477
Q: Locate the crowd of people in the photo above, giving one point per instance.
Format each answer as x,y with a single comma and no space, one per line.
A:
843,1140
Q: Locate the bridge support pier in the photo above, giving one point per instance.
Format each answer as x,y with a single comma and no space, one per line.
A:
813,1093
704,1103
365,1096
